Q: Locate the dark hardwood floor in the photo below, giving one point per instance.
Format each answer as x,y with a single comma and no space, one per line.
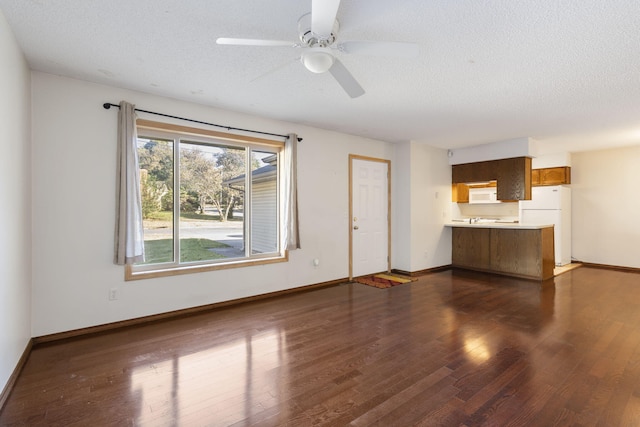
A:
454,348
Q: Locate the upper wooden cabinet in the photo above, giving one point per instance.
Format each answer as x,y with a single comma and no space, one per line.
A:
460,193
474,172
513,175
514,179
551,176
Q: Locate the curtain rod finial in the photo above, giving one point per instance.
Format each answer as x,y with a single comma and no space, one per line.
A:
106,105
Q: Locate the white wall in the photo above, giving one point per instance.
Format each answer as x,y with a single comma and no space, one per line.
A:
430,207
518,147
74,157
401,207
422,191
606,206
551,160
15,193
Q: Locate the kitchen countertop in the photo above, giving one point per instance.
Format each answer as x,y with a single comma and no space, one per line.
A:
503,225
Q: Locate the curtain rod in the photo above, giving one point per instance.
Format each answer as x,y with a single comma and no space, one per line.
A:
108,105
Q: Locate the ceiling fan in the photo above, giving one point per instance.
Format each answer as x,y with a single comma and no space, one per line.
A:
317,38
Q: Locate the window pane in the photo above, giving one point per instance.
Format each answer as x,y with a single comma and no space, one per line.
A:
210,216
264,203
211,223
156,186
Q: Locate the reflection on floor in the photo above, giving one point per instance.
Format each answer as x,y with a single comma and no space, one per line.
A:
568,267
453,348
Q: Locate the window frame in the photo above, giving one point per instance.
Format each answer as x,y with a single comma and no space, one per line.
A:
187,134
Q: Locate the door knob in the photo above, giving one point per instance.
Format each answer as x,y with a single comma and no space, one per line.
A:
355,227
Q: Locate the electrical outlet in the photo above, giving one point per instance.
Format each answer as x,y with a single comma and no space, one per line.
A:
113,294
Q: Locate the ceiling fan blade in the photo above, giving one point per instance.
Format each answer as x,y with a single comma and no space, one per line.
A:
345,79
254,42
390,49
323,16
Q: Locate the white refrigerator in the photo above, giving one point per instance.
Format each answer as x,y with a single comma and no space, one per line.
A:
551,205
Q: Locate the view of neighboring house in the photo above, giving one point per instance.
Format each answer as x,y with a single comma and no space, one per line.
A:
264,210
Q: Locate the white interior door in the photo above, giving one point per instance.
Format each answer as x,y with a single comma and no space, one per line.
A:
369,216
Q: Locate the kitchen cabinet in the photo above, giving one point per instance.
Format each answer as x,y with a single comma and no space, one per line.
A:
551,176
535,177
527,253
460,193
514,179
513,176
471,248
512,251
474,172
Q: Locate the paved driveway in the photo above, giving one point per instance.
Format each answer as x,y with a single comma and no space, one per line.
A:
230,233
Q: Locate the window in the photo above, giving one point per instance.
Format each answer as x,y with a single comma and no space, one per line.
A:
207,202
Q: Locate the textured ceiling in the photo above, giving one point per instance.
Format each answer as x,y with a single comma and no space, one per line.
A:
565,73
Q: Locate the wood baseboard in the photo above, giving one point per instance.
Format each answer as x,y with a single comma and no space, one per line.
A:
175,314
6,391
611,267
422,272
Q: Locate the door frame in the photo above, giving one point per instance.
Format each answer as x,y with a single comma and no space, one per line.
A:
353,157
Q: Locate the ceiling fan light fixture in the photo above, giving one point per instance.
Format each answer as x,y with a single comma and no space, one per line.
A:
318,59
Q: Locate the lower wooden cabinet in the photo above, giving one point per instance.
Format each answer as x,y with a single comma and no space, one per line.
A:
471,247
526,253
521,251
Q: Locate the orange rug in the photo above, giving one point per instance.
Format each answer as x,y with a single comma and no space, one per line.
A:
383,281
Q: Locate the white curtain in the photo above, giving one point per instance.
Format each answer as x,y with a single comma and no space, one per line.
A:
129,237
289,176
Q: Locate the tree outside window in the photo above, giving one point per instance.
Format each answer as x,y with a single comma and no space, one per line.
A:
209,220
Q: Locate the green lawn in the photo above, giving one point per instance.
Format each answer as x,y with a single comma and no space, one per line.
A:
161,250
168,216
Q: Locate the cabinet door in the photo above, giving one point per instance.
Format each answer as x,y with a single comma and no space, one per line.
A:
516,251
486,171
523,253
461,173
474,172
514,179
555,176
460,193
535,177
471,247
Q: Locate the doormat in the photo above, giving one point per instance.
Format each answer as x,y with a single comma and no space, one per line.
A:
383,281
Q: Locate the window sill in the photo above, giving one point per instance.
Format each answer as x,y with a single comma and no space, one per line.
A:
130,274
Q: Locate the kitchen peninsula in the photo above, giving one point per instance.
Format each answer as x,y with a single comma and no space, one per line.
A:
512,249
